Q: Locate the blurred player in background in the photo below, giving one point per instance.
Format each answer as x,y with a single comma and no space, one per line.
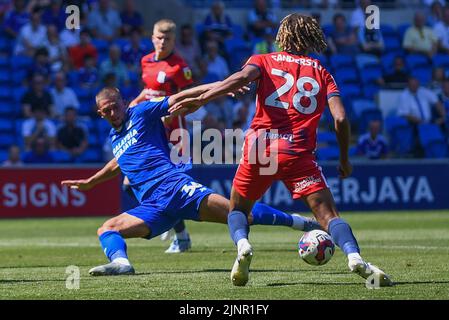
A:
292,92
165,192
165,73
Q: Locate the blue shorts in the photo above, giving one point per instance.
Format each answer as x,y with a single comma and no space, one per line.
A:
177,198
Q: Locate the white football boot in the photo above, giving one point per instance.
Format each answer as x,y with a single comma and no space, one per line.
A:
112,269
240,270
375,276
309,225
167,235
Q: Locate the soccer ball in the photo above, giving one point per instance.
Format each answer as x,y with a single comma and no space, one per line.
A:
316,247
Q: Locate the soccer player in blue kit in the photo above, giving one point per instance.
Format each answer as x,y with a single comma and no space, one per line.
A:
165,192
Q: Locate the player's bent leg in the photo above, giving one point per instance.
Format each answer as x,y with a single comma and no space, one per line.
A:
111,236
323,207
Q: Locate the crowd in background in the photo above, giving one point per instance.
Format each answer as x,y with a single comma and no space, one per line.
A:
49,74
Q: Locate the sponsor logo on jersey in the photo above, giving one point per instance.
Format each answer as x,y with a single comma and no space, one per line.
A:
282,136
125,143
187,73
307,182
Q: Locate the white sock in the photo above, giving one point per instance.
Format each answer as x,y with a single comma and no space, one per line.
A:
122,261
242,244
183,235
298,222
354,256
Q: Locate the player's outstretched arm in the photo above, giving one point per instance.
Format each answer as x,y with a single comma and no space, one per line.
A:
232,84
343,131
109,171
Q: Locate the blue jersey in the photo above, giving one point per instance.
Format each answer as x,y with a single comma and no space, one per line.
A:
141,147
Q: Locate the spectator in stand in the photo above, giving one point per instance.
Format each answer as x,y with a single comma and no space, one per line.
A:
31,36
244,111
109,80
41,65
37,98
39,152
70,37
62,95
104,22
343,37
444,99
134,51
14,159
435,14
116,66
222,109
266,45
419,38
85,48
358,16
441,30
420,105
5,6
436,85
397,79
55,15
218,22
216,64
16,19
88,76
189,49
39,126
371,40
57,51
373,144
39,4
72,136
261,20
131,19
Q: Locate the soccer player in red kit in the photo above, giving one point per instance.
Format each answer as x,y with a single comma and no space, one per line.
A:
164,73
292,93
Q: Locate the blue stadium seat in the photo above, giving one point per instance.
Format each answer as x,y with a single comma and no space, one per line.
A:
122,42
402,28
433,141
441,60
209,78
72,78
7,109
367,116
350,91
3,155
322,58
6,125
328,153
328,138
370,91
5,77
101,45
18,76
238,58
199,29
361,105
237,31
392,43
346,75
7,139
416,60
21,62
17,94
371,74
5,92
328,29
82,93
6,45
4,62
401,134
424,75
233,44
387,61
148,44
93,140
387,30
364,60
91,155
61,156
103,129
341,60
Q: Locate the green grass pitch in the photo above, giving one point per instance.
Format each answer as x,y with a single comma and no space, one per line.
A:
411,246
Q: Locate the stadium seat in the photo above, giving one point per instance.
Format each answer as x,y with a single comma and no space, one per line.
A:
432,140
83,94
341,60
402,29
367,116
3,155
387,30
61,156
387,61
6,45
209,78
7,109
6,125
366,60
371,74
91,155
392,43
328,153
7,139
237,31
18,76
5,92
322,58
351,91
416,60
199,29
4,62
346,75
21,62
328,138
441,60
328,29
100,45
93,140
121,42
5,76
424,75
370,91
401,134
148,44
361,105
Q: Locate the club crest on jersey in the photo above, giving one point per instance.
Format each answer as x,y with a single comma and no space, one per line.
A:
187,73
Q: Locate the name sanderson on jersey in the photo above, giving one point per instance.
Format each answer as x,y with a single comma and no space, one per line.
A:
301,61
126,142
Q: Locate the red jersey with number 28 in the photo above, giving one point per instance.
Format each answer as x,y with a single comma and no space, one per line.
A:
292,93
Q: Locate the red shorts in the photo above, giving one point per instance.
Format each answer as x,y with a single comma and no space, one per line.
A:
300,174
